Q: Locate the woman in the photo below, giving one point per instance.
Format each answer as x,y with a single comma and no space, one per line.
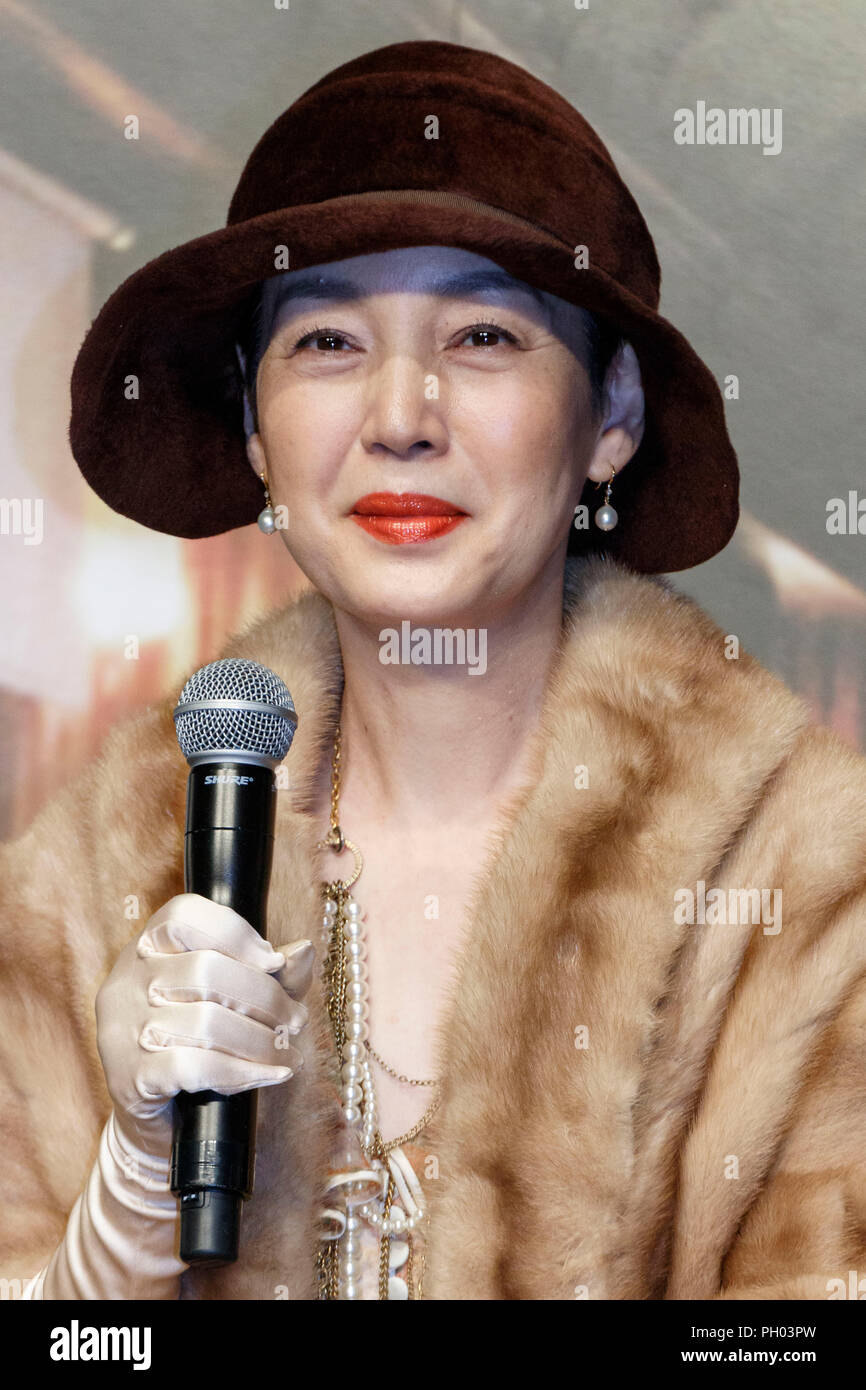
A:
612,883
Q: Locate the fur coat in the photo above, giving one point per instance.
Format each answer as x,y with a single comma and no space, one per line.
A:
637,1106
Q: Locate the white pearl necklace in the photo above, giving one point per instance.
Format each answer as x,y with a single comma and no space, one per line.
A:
358,1104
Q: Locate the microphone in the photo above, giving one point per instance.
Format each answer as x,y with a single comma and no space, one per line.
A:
235,721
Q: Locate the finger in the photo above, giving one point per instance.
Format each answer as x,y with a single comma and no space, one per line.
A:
210,1027
163,1074
297,973
195,976
189,922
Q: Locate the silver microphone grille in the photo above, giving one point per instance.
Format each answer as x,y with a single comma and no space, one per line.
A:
236,710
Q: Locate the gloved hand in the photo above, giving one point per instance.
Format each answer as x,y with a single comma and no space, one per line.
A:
193,1005
199,1001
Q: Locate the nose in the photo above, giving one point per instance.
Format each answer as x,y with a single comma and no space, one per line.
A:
404,411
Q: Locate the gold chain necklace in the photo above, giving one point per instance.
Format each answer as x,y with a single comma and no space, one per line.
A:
344,981
410,1081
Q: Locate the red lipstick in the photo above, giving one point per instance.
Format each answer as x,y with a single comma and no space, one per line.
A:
405,517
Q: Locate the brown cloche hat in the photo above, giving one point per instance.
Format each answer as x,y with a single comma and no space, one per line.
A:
517,175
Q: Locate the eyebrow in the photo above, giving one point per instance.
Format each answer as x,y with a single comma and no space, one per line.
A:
468,282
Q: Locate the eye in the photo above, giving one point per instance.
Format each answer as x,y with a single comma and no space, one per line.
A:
321,335
488,330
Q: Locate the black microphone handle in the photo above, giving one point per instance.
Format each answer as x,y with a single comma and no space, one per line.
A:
228,849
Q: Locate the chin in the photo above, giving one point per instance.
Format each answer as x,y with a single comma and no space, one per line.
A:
441,582
433,590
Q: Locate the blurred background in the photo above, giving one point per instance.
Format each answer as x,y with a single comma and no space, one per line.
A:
762,269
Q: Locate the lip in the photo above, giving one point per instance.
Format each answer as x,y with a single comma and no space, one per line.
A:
406,518
404,504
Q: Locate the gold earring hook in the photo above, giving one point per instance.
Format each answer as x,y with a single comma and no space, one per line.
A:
612,476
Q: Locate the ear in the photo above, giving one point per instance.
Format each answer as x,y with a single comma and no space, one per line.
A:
256,454
249,422
623,425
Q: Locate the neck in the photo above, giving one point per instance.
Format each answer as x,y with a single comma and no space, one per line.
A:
431,744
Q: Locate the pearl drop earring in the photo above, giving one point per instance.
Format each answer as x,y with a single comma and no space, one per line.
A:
606,518
267,520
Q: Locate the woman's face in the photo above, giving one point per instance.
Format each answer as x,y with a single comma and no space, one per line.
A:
427,371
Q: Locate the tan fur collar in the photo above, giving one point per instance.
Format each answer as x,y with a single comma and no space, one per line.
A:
596,1170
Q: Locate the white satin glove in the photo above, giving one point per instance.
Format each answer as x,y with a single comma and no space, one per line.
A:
121,1237
198,1002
